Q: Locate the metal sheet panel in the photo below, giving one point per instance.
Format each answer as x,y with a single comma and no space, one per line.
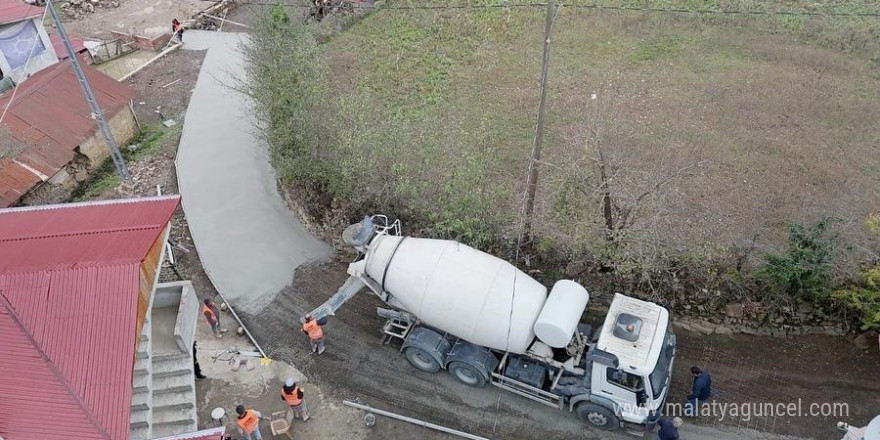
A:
68,325
81,234
15,10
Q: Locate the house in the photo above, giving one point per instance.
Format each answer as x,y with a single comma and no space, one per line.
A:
47,115
100,349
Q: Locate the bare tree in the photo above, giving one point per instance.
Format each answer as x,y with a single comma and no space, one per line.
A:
630,186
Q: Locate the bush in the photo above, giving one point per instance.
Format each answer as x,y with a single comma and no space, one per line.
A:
803,272
863,299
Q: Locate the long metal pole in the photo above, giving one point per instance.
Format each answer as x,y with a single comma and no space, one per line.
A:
421,423
96,113
532,183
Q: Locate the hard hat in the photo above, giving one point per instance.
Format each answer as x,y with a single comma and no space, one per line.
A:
289,382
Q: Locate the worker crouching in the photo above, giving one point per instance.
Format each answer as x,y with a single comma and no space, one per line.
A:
292,394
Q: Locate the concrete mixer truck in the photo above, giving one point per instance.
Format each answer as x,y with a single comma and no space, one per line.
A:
483,320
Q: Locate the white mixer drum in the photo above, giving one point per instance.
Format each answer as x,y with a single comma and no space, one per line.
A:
458,289
561,313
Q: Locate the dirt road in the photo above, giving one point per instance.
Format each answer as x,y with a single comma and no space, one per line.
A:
745,370
149,18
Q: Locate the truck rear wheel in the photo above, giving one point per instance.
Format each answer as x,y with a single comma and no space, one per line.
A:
597,416
466,374
421,359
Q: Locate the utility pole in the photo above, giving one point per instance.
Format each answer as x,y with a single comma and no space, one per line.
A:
532,182
96,113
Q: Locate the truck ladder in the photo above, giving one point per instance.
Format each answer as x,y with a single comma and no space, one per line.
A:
398,324
395,328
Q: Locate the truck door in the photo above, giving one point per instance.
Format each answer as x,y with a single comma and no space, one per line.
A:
622,388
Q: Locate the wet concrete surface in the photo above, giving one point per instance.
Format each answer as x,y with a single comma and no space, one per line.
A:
248,241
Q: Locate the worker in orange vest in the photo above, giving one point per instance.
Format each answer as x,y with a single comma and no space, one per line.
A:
313,329
293,395
248,422
212,314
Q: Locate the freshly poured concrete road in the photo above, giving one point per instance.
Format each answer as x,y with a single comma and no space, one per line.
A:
249,242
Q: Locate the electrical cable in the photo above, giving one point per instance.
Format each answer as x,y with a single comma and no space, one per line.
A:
595,6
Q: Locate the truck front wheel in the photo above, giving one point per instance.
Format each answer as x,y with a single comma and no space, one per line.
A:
466,374
597,416
421,359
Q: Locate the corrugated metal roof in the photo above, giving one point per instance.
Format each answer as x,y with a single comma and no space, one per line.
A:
81,234
58,45
33,372
70,310
16,10
51,117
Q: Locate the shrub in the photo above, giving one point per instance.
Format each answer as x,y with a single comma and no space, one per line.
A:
803,272
863,299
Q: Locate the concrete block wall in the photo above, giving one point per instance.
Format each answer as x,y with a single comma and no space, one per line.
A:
123,127
180,294
45,59
155,43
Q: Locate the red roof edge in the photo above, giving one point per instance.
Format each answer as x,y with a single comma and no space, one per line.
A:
52,367
89,203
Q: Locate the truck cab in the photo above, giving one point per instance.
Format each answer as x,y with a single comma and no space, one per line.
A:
631,366
635,371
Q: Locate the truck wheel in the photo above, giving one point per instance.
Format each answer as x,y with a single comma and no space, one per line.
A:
466,374
421,359
597,416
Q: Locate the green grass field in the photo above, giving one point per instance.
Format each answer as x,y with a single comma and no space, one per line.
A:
715,131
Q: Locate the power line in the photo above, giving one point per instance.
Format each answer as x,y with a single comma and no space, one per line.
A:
594,6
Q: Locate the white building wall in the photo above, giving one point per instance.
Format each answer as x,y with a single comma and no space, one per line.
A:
16,39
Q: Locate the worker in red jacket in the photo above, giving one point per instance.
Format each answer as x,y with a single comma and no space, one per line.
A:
177,30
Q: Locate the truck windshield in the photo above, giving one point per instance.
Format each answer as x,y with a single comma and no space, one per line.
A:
661,370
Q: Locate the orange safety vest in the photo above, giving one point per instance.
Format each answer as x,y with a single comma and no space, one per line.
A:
248,422
207,309
313,329
292,399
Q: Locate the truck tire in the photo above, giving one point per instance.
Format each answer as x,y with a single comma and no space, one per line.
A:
466,374
597,416
421,359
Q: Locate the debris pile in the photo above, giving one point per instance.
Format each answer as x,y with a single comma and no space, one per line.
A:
77,9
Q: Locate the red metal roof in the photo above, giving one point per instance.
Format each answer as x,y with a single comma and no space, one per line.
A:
16,10
69,280
51,117
78,45
66,236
